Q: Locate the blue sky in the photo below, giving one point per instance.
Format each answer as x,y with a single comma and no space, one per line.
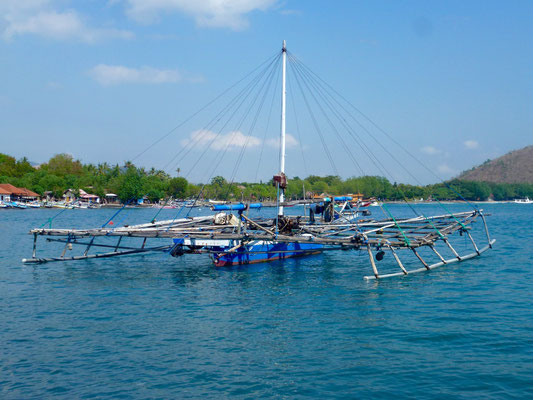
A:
451,81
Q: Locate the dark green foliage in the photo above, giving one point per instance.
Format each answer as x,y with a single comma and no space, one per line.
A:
13,168
130,186
218,181
62,172
154,195
177,188
63,165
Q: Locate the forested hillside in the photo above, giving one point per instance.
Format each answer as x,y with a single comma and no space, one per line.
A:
63,172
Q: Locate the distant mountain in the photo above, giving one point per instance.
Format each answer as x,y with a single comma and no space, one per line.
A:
513,167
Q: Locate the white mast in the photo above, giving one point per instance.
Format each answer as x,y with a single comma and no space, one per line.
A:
282,146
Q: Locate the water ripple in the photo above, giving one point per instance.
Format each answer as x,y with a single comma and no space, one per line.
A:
159,327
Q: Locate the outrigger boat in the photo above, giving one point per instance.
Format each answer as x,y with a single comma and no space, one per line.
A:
232,237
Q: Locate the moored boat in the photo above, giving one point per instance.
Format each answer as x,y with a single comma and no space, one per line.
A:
233,237
523,201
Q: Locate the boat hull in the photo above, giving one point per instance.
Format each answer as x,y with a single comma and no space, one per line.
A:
260,253
225,253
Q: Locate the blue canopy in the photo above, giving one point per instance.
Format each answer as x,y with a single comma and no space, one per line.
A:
343,198
237,207
339,198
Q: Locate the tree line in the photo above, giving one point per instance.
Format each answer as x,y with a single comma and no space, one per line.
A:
129,182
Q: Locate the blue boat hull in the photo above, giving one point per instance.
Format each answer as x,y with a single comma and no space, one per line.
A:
228,252
258,253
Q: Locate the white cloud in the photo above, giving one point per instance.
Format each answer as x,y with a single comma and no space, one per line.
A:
290,141
37,17
430,150
210,13
231,140
471,144
17,6
108,75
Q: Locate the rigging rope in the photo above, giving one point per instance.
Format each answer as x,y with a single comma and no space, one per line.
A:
268,61
204,107
192,143
266,128
317,128
300,143
221,156
322,89
389,137
332,126
361,143
223,127
251,129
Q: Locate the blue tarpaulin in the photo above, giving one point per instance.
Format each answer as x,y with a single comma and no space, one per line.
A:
237,207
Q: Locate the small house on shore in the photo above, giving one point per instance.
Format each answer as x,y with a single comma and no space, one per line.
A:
13,193
111,198
69,196
48,195
91,198
5,195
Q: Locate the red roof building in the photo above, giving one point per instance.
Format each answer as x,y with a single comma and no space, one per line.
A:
20,193
87,196
5,195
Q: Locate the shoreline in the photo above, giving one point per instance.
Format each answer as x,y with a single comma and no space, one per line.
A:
151,206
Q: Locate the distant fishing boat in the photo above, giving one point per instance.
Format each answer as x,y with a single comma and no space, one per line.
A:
523,201
232,237
210,201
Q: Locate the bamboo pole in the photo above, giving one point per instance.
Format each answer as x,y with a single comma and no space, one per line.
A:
109,246
486,229
118,243
452,249
450,261
397,259
234,248
34,245
88,247
75,258
437,253
420,258
258,226
320,234
371,256
65,248
472,240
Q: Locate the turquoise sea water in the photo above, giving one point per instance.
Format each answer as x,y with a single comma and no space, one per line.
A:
159,327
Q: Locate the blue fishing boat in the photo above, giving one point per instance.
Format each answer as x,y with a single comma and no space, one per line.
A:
227,252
